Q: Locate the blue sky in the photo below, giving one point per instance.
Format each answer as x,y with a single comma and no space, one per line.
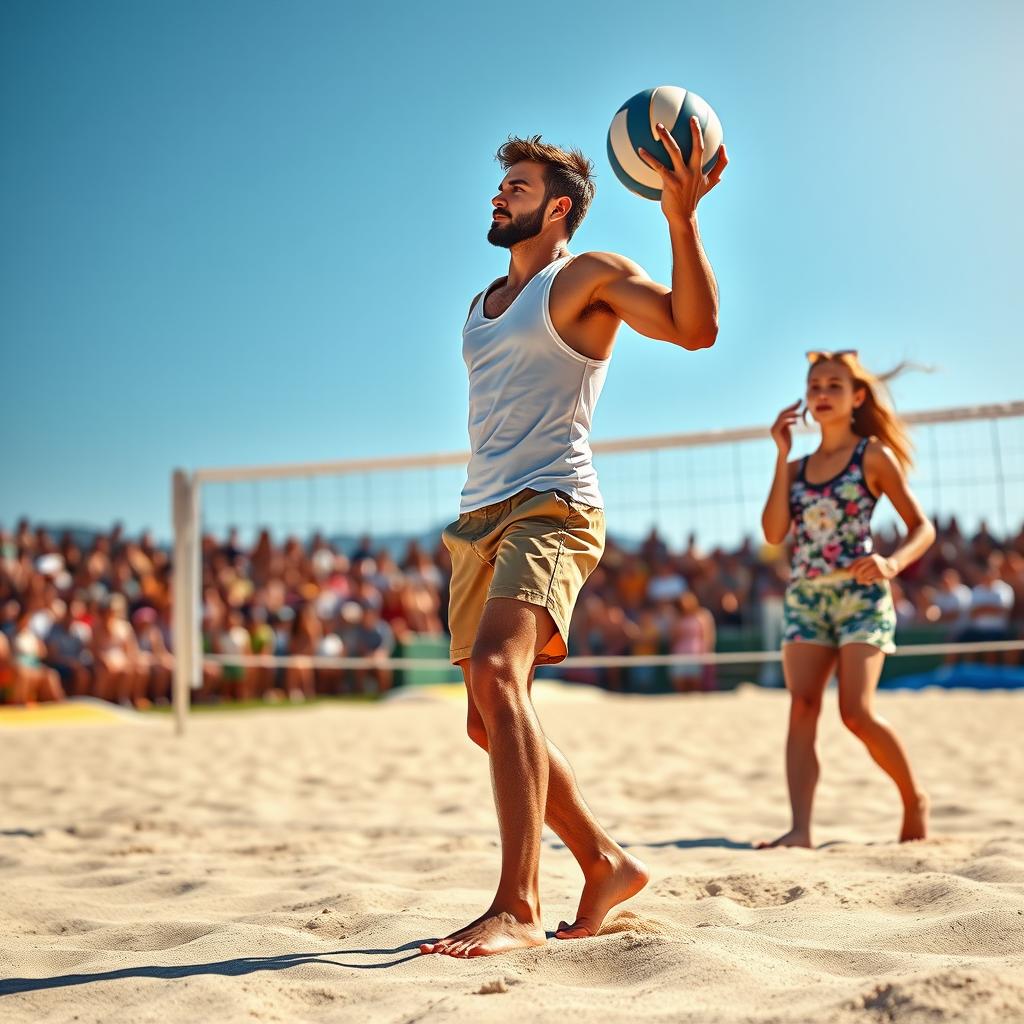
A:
248,232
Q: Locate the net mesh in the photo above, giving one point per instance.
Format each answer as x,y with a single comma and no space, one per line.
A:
972,470
702,490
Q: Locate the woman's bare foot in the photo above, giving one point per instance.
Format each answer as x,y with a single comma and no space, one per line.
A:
494,932
609,881
794,837
915,819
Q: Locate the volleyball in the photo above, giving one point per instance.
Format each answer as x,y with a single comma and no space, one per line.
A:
634,127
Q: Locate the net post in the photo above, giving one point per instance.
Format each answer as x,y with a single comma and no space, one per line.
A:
187,658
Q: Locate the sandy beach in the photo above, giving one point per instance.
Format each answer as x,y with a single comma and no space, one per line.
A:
283,865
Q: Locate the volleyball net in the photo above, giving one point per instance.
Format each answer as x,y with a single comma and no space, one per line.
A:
670,493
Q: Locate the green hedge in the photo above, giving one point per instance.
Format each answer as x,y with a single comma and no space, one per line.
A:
425,647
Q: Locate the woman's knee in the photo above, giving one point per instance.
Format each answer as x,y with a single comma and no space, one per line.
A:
806,707
856,717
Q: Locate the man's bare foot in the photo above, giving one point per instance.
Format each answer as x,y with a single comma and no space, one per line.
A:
915,820
494,932
794,837
610,881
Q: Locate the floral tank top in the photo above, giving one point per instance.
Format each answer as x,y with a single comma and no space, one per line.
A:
832,519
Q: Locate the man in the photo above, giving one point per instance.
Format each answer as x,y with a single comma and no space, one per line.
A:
531,528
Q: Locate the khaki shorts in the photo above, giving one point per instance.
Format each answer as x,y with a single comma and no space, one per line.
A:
537,547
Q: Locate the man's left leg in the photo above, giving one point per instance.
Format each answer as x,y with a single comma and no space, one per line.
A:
511,635
610,874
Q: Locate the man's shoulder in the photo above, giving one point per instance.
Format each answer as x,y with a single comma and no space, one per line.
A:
472,305
606,264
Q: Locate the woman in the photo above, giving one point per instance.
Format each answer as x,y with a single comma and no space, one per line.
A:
839,613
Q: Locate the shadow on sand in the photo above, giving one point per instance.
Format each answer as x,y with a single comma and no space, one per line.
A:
721,842
226,968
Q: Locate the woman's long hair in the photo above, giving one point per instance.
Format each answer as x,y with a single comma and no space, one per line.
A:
875,416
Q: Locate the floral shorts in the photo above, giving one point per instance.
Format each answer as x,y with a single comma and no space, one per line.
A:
838,612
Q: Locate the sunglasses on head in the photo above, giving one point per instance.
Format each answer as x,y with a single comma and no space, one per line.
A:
817,355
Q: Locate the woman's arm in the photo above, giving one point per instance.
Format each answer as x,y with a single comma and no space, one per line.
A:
884,475
775,518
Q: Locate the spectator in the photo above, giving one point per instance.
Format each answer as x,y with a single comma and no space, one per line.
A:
992,601
68,649
8,688
374,639
115,654
906,613
666,584
951,601
647,640
631,584
32,679
303,642
693,633
330,680
237,679
91,614
154,635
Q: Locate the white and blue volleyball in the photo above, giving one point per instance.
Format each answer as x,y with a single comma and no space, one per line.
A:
634,127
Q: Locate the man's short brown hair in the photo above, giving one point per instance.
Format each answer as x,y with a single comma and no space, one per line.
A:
567,172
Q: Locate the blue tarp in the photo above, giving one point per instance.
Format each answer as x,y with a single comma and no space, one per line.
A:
968,675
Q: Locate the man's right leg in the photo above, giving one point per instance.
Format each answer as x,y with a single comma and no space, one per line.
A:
611,875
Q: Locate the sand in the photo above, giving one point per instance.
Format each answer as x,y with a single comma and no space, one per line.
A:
283,865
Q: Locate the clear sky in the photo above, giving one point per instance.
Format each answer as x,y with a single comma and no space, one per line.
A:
248,232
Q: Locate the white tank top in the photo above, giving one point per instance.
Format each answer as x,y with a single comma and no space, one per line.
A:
531,402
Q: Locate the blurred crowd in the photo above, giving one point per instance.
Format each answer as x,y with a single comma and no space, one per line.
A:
657,601
91,614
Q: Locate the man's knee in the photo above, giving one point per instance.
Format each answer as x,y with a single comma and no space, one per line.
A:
495,682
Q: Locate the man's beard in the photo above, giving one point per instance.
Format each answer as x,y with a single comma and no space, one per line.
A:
507,233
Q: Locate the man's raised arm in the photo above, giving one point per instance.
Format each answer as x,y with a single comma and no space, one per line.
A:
686,315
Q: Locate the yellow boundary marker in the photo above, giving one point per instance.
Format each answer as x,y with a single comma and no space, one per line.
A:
70,712
88,711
